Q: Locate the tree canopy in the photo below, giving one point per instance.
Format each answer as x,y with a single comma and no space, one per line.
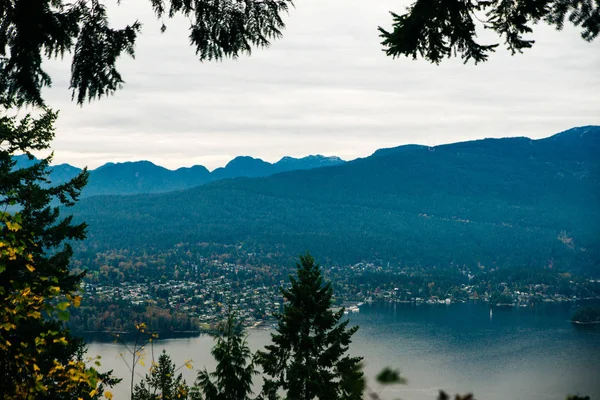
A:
438,29
31,30
232,378
162,383
308,356
38,356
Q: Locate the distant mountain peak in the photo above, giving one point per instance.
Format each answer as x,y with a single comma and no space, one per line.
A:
309,157
245,161
288,163
132,163
287,158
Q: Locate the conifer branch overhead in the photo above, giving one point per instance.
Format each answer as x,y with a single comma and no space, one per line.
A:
438,29
32,31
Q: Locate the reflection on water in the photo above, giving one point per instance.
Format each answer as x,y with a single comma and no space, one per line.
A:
519,353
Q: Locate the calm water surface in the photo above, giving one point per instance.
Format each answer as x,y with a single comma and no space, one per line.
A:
518,353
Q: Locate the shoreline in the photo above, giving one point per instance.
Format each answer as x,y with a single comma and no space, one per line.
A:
584,323
267,324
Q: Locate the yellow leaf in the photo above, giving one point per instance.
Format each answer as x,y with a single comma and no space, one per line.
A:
77,301
61,340
13,226
29,267
36,368
108,395
8,326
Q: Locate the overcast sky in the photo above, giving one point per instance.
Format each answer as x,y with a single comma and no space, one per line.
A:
324,88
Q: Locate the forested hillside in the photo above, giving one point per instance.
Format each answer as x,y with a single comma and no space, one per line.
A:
498,202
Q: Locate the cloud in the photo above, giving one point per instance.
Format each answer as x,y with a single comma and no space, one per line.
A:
325,87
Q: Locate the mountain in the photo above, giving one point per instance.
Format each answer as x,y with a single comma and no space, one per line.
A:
58,173
142,177
63,173
309,162
145,177
495,202
244,166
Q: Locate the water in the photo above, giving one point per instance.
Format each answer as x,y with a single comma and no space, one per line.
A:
518,353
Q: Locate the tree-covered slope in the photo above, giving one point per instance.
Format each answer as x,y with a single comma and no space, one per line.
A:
501,202
143,177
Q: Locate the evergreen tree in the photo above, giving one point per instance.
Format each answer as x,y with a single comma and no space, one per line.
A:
161,383
436,29
38,357
308,358
235,367
31,31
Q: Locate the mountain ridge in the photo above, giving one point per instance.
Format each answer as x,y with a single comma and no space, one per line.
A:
143,177
494,202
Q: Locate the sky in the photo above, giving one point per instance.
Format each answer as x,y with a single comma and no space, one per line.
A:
325,88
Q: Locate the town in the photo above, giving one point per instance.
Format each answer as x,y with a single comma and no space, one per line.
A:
198,304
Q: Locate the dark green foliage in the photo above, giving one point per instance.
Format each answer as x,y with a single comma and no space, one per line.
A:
93,70
162,383
45,275
385,377
119,315
232,379
22,189
40,224
74,349
444,396
497,298
32,30
436,29
501,202
389,376
308,358
586,315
